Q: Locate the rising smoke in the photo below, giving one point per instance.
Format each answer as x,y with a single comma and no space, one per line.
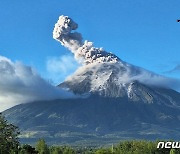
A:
84,52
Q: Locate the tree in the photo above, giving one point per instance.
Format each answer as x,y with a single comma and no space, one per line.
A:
27,149
42,147
8,137
61,150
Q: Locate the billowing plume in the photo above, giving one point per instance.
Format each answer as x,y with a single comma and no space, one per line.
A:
22,84
84,52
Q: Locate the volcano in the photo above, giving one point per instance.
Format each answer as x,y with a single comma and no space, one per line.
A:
115,100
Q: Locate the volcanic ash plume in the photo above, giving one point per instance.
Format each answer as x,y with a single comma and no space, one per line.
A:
84,52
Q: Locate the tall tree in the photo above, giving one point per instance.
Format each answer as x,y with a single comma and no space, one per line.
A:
42,147
8,137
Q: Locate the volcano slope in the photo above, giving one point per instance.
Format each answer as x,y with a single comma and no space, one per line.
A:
98,120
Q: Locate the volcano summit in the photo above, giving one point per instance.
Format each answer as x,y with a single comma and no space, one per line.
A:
102,72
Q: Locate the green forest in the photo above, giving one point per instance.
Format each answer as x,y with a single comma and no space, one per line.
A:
9,144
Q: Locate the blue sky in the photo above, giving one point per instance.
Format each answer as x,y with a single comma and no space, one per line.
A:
143,33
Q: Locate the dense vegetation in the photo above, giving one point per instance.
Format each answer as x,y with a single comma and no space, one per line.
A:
9,144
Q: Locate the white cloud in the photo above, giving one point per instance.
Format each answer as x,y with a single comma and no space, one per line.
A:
59,67
21,84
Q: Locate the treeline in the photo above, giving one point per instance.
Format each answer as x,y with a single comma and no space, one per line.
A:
9,144
124,147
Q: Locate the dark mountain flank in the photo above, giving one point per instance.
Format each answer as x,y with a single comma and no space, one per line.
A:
99,120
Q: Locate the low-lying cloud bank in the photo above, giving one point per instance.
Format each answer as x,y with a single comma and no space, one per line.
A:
21,84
